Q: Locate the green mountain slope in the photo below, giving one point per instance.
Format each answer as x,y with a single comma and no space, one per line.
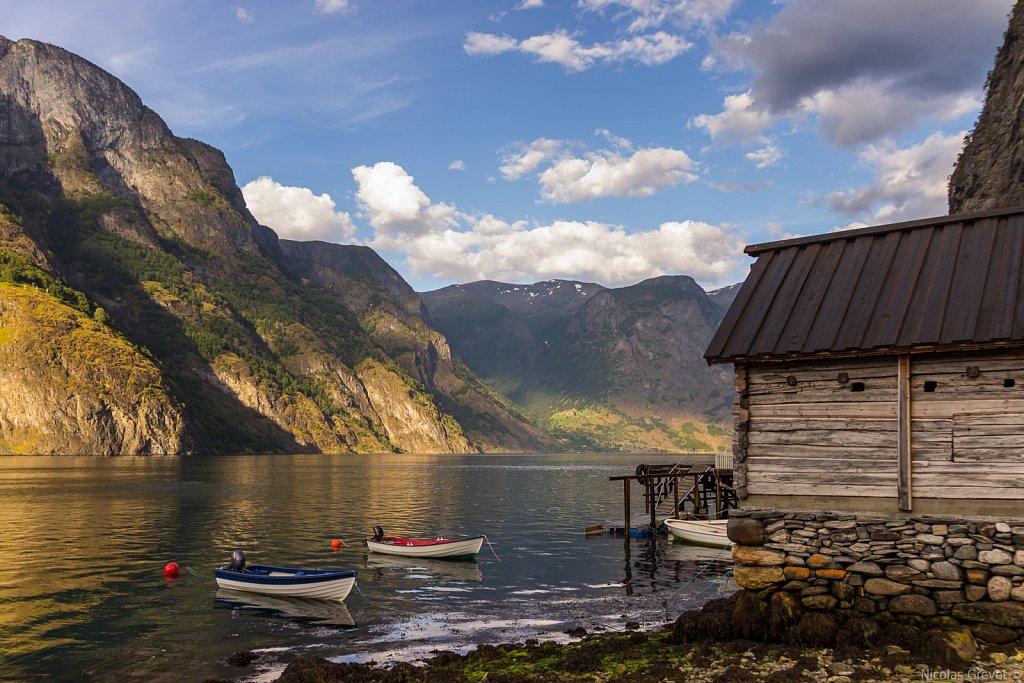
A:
147,234
618,369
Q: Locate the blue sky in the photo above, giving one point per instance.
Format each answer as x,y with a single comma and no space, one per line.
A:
524,140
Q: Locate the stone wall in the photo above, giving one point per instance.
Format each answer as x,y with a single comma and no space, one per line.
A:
925,566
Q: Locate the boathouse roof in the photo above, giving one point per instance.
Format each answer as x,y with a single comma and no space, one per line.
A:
937,283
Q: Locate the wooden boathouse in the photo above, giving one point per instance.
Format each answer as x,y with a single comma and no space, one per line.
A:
879,414
882,368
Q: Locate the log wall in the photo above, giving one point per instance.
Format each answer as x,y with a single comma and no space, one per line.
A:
831,427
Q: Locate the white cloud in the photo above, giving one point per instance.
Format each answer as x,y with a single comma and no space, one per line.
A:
440,242
766,156
295,212
243,16
527,158
530,4
646,14
909,182
394,205
862,70
333,6
457,165
619,142
865,110
609,174
559,47
740,121
488,44
621,172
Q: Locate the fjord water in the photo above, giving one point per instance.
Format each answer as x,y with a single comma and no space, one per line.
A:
83,542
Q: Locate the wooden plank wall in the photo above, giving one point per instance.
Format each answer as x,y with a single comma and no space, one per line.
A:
814,435
969,428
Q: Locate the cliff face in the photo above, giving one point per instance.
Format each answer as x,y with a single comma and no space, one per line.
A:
95,393
393,316
146,237
618,369
990,170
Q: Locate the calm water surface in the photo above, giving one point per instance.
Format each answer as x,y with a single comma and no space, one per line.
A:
83,542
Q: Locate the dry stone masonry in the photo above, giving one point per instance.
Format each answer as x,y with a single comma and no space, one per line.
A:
925,566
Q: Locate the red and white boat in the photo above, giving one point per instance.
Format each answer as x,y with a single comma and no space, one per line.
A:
447,548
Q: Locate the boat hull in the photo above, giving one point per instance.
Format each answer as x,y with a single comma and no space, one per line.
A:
707,533
450,549
286,582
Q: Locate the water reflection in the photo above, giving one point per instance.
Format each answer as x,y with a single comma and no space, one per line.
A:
308,611
421,568
83,542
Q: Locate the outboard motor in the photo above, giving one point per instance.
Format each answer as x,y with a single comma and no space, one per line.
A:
237,561
378,534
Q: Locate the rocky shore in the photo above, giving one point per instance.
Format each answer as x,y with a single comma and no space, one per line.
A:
735,639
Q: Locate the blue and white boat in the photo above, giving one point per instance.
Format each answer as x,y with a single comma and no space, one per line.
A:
324,584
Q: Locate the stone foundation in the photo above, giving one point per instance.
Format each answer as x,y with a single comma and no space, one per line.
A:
923,566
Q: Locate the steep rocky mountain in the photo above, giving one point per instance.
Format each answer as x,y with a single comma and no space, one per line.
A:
144,310
990,171
607,368
724,296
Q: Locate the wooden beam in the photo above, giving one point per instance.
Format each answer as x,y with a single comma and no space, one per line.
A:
625,499
904,485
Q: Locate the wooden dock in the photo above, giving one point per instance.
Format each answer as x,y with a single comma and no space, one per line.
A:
694,489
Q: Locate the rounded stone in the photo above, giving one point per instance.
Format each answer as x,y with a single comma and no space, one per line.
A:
746,531
796,573
995,556
758,578
946,571
830,574
901,572
757,556
921,605
1008,614
878,586
819,561
823,601
866,567
999,588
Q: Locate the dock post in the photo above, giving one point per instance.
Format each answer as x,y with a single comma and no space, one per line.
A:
675,496
651,500
625,495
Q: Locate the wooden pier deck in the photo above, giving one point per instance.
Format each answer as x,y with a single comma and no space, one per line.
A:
699,489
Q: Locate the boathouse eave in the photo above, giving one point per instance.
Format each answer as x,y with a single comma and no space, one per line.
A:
755,249
1001,509
866,353
939,283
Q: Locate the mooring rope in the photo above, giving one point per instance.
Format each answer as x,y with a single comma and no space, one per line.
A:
193,572
707,565
492,548
355,584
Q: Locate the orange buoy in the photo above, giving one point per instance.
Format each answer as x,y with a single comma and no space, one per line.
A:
336,543
171,570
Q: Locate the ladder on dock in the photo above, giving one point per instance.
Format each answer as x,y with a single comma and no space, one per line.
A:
705,488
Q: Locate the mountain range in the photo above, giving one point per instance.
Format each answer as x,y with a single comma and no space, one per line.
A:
144,310
620,369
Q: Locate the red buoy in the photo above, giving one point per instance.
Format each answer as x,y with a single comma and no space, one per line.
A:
336,543
171,570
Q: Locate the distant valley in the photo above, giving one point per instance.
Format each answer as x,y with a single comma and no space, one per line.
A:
143,310
616,369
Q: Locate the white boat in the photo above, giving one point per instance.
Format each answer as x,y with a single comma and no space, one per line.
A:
706,532
447,548
325,584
